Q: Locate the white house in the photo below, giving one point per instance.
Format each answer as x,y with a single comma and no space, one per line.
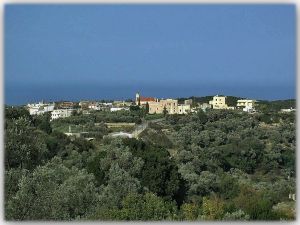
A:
100,106
61,113
248,105
204,106
183,108
114,109
287,110
40,108
95,106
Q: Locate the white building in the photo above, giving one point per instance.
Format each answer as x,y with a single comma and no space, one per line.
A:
114,109
40,108
248,105
288,110
183,108
218,102
101,106
248,109
188,101
246,102
122,103
204,106
61,113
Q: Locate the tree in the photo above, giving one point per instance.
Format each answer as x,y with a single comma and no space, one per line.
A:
254,204
94,167
212,208
53,192
119,184
42,122
285,210
165,111
228,186
145,207
189,211
147,107
12,180
24,145
16,113
159,174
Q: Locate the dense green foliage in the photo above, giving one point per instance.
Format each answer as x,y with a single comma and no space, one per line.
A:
218,165
275,106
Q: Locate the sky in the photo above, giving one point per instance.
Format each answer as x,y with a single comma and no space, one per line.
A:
76,52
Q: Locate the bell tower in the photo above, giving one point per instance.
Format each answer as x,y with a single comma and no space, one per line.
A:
137,98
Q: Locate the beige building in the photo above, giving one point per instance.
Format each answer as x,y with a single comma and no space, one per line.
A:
171,106
158,106
218,102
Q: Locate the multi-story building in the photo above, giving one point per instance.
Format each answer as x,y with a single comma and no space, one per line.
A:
65,105
61,113
246,102
40,108
188,101
247,105
183,109
94,106
170,105
84,104
219,102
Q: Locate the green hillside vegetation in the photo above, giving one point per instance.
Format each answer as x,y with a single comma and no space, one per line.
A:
218,165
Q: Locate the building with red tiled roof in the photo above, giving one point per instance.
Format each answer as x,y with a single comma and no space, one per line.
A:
140,100
147,99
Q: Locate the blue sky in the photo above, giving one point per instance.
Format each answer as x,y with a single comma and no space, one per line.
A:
75,52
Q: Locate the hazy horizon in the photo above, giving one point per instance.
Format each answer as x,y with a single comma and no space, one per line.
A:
74,52
75,93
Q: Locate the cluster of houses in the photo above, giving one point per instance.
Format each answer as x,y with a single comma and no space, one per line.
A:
58,109
157,106
171,106
40,108
65,109
219,102
154,106
105,106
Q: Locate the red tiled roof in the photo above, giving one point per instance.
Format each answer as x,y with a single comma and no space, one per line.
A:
147,99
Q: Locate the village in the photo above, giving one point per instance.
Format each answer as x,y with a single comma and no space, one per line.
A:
152,105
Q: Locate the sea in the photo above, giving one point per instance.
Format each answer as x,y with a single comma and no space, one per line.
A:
23,94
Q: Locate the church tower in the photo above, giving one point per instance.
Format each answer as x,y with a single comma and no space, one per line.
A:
137,98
